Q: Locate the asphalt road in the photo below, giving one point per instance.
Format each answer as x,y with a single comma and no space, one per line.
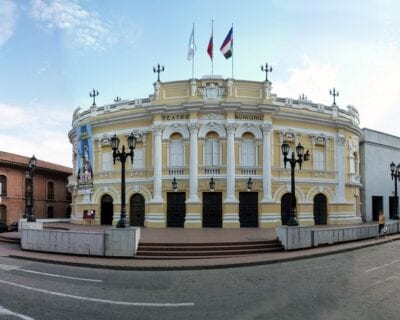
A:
362,284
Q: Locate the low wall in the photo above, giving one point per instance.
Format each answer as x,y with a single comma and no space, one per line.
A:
113,242
293,238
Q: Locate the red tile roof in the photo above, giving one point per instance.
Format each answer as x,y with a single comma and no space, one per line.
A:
11,158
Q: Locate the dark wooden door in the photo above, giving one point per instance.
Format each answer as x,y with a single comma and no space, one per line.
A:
377,204
320,209
107,210
212,209
176,209
392,207
286,205
248,209
137,210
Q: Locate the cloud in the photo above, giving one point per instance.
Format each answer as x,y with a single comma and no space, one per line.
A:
313,78
8,18
83,26
42,131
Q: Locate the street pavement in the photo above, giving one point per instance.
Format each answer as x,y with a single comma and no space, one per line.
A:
189,235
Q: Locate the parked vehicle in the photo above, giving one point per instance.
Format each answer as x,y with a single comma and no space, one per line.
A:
13,227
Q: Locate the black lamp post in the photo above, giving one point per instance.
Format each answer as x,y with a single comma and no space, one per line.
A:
300,158
122,156
395,172
175,184
249,184
29,189
212,184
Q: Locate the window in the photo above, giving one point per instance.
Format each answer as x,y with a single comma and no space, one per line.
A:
3,186
106,161
50,190
212,150
248,151
176,153
68,195
138,159
319,160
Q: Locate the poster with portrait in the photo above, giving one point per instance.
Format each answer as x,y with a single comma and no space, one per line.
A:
84,157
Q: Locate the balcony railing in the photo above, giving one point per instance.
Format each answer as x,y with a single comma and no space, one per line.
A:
176,171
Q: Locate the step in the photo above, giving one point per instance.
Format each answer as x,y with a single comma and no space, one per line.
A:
195,244
206,253
161,247
10,240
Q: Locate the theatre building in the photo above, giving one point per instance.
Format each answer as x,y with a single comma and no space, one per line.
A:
208,154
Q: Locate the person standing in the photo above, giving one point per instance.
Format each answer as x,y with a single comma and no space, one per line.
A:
381,221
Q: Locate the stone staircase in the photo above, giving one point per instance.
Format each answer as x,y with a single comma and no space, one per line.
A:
10,237
151,250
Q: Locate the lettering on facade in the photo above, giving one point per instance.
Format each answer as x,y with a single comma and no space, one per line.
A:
246,116
175,117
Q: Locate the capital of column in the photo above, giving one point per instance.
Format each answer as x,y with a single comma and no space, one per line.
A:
341,141
231,128
157,129
266,128
193,128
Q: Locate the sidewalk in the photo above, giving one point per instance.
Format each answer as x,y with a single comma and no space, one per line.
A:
188,236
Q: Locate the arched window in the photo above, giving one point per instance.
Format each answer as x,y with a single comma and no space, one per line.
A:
3,186
212,150
248,150
50,190
176,151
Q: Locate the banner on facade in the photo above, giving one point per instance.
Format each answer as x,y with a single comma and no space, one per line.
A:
84,159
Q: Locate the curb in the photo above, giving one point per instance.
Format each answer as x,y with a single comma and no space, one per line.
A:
209,267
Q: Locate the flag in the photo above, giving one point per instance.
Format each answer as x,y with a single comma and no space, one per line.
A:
192,46
210,47
227,45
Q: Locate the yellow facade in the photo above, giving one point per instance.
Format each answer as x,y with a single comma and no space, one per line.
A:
227,130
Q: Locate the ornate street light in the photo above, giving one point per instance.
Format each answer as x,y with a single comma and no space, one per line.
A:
174,184
300,158
29,189
212,184
122,156
249,184
395,173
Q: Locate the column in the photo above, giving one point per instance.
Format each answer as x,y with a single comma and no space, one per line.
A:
194,175
193,217
267,172
230,164
339,154
157,158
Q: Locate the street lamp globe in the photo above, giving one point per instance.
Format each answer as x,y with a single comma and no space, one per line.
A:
114,142
392,167
299,150
131,141
285,149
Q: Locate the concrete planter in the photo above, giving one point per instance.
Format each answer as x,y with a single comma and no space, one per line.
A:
112,242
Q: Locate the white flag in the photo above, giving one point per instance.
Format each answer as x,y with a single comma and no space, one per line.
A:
192,46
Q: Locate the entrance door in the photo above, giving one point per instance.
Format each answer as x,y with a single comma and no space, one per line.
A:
286,205
248,209
320,209
392,207
137,210
212,209
107,210
176,209
377,204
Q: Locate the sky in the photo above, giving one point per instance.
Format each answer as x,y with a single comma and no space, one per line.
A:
54,52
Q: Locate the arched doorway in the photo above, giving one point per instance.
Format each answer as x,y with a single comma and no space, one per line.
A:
50,212
286,205
3,213
107,210
137,210
320,209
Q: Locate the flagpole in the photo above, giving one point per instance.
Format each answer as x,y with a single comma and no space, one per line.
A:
212,54
194,53
233,51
